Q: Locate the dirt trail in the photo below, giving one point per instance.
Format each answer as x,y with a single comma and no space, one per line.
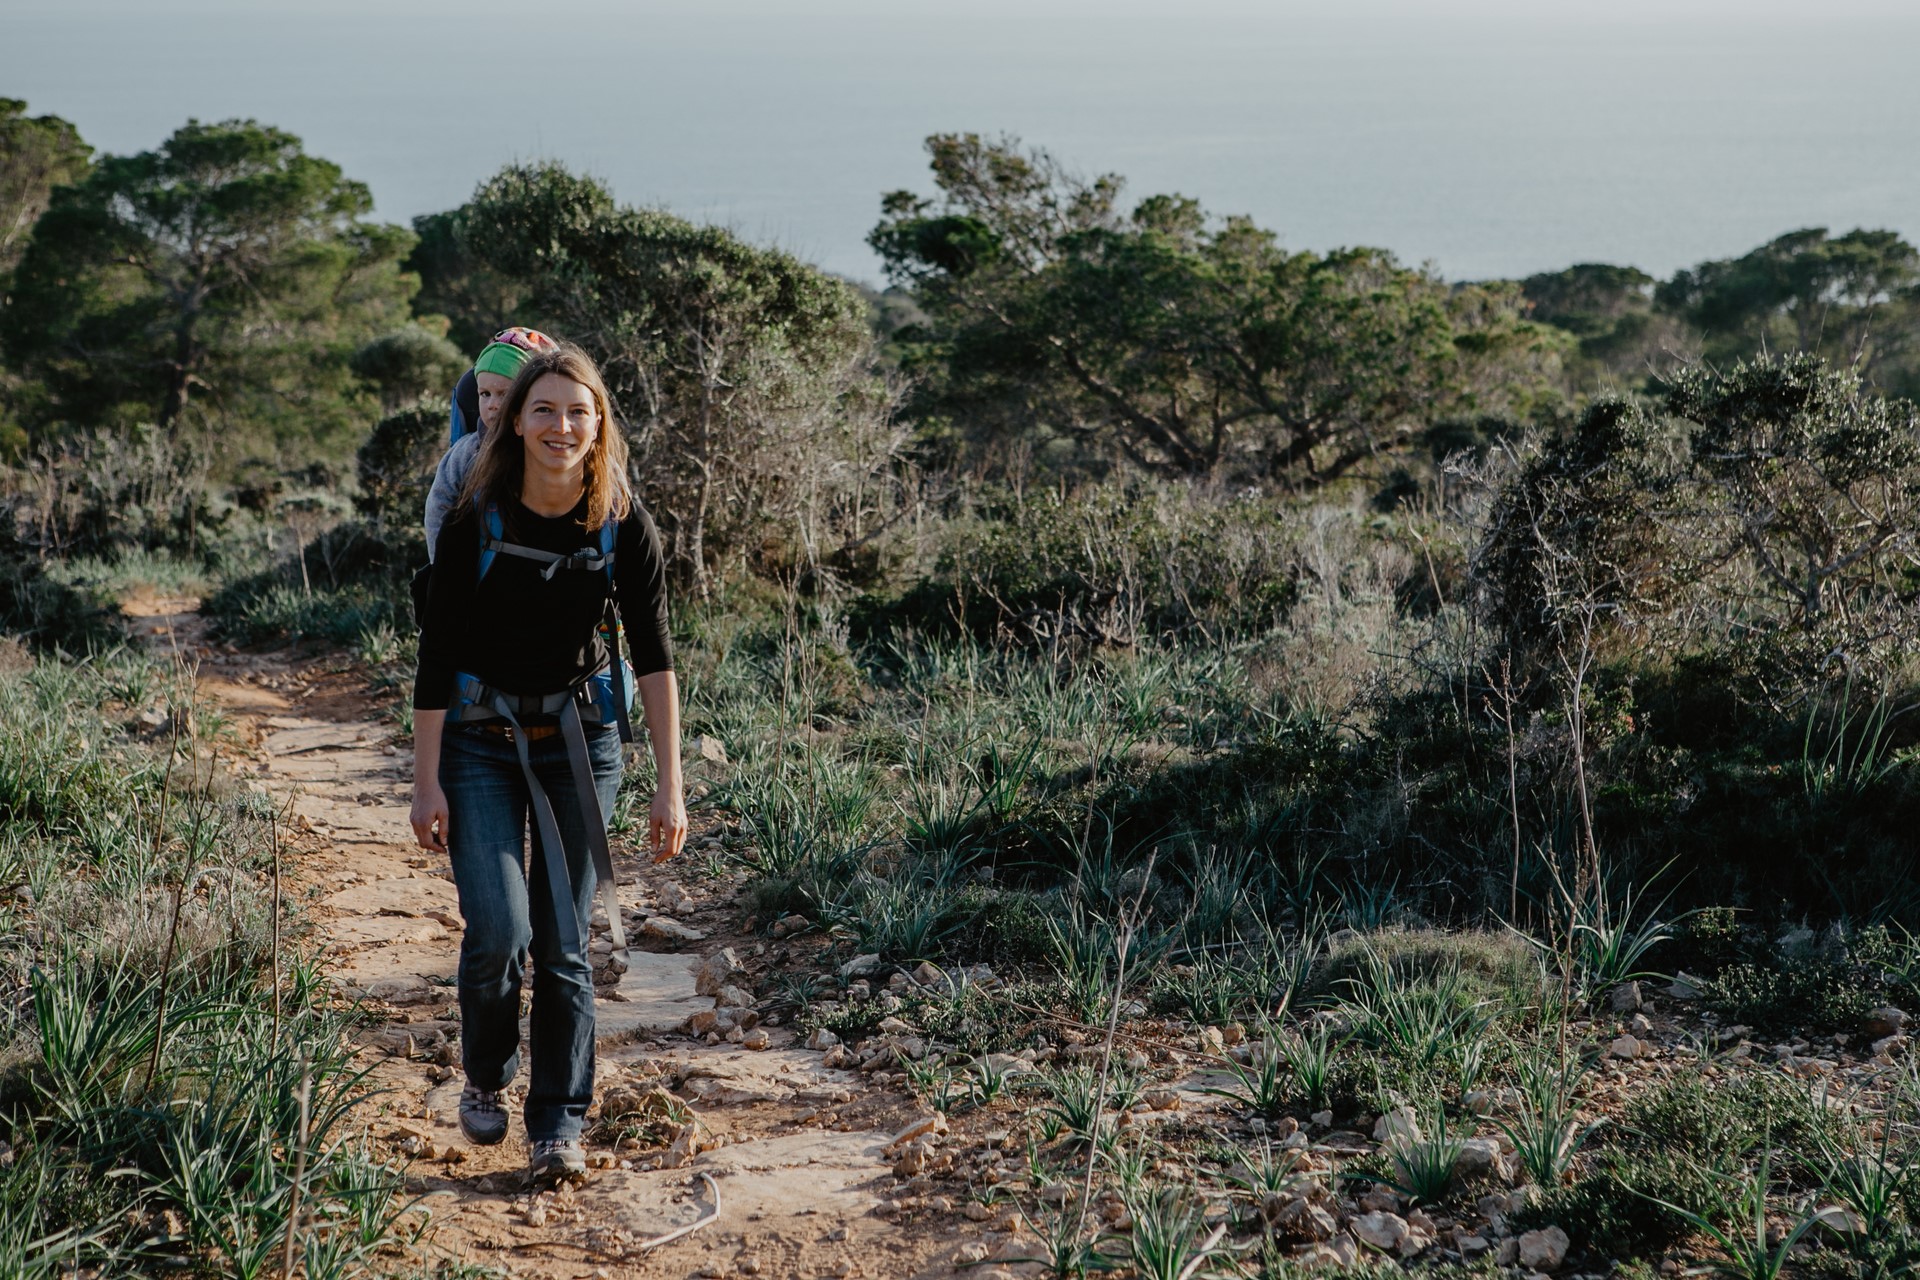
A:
798,1152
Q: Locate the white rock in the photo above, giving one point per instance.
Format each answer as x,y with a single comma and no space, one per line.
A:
1840,1220
1684,987
1626,1048
667,929
1543,1250
707,747
732,997
931,1123
1380,1229
1398,1126
859,965
716,971
822,1039
1478,1156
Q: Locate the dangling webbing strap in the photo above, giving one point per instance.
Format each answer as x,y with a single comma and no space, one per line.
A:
575,734
569,929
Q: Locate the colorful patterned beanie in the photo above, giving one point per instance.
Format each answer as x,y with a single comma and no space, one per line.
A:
510,349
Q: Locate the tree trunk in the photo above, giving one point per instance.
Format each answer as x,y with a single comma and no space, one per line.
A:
173,407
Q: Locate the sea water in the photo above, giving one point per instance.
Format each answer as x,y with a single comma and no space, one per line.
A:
1489,137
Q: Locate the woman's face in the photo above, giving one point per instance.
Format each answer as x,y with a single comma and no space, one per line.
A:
559,423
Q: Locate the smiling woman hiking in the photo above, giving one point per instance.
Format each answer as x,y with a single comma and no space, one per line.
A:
520,707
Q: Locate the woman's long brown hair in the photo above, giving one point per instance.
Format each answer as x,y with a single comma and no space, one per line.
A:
501,467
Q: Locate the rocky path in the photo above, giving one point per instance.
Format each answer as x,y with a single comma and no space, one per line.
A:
798,1153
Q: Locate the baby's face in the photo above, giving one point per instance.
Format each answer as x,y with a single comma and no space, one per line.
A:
493,397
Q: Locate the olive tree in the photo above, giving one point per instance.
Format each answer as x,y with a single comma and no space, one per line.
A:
1183,344
37,154
743,372
223,279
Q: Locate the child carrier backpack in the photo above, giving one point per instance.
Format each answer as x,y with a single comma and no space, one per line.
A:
465,415
603,698
463,420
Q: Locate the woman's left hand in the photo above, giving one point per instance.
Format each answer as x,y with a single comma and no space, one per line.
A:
667,830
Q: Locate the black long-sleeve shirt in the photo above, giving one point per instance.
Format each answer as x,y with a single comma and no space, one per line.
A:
524,635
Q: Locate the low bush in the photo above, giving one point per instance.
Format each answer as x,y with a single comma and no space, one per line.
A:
1617,1207
1113,565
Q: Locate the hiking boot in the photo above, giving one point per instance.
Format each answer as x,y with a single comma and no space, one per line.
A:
557,1160
482,1118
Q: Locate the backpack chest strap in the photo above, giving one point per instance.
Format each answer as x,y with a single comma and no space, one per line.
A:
588,559
493,541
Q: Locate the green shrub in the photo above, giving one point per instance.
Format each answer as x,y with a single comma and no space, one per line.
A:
1710,1118
268,608
1500,967
1111,564
1807,994
1611,1208
1006,928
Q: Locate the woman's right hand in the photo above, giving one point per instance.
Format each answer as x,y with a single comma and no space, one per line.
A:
429,817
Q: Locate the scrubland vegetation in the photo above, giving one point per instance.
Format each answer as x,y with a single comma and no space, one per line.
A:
175,1074
1477,714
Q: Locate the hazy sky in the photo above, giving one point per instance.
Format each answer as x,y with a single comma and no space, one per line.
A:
1492,137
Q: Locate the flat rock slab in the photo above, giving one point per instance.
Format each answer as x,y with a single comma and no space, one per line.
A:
656,995
743,1077
1200,1083
295,737
353,823
353,932
412,896
407,966
800,1185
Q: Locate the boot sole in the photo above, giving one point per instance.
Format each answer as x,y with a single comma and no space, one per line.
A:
553,1173
487,1139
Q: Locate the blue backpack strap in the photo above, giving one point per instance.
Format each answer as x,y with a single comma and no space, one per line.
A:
495,529
618,672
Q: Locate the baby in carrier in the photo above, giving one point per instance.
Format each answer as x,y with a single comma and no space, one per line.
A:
477,400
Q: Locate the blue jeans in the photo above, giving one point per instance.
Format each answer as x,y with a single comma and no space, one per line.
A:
510,917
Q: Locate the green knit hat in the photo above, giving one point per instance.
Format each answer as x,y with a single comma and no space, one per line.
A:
510,349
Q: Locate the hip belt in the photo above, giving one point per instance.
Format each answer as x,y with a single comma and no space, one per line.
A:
479,704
